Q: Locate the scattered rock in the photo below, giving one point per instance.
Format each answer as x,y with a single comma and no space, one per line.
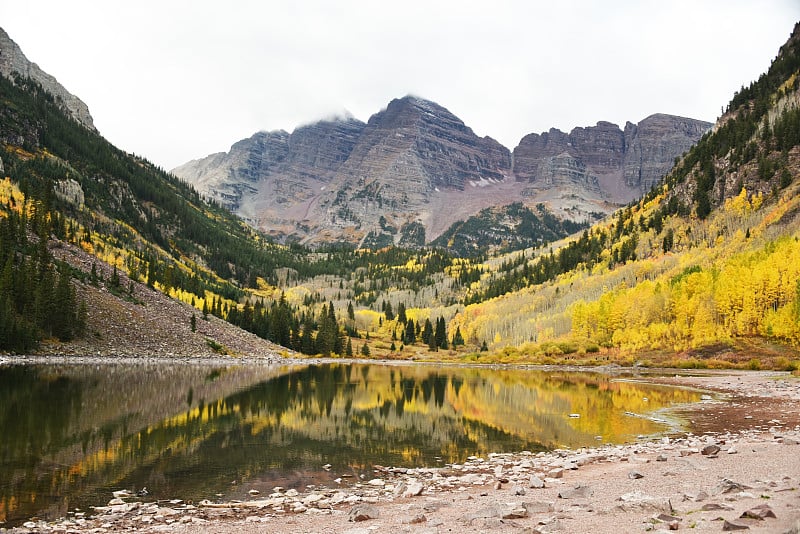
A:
536,482
729,486
538,507
635,475
415,519
414,489
363,512
515,512
760,512
731,525
710,450
578,492
556,473
708,507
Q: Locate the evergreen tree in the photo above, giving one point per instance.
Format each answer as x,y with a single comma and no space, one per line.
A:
193,323
427,332
401,313
411,333
365,350
458,339
387,311
440,335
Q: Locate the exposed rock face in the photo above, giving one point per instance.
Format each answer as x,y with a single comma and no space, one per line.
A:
652,146
621,165
13,60
408,154
70,191
415,169
227,176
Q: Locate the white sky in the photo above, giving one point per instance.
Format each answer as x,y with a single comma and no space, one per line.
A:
175,80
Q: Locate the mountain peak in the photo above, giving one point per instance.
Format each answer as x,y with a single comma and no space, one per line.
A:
418,167
13,60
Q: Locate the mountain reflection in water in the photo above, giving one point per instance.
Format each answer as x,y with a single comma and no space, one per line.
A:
73,433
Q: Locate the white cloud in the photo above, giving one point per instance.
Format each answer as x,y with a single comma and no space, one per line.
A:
177,80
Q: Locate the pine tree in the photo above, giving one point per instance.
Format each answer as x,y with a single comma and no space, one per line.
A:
193,323
401,313
411,333
365,350
458,339
427,332
440,335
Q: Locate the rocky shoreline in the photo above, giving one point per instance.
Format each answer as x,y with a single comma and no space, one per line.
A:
746,477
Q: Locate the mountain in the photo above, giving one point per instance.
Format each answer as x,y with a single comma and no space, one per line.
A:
703,271
13,62
101,252
415,169
603,160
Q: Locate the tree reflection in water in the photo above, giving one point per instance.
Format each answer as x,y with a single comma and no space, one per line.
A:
72,434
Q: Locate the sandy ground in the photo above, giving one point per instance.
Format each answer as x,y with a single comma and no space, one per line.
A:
742,459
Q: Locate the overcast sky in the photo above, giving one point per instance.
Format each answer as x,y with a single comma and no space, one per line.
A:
177,80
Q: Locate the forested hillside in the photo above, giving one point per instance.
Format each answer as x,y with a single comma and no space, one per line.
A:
707,264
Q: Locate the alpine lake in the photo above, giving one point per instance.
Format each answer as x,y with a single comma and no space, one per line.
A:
71,434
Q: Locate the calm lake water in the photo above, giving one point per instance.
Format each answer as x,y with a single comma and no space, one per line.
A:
72,434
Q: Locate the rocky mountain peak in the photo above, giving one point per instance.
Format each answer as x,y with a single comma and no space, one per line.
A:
12,60
414,169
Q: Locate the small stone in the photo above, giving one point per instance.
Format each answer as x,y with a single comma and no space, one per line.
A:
538,507
413,490
578,492
710,450
536,482
376,482
254,492
713,506
555,473
292,493
518,490
416,519
363,512
515,513
661,458
498,485
666,518
729,486
634,475
730,525
761,512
